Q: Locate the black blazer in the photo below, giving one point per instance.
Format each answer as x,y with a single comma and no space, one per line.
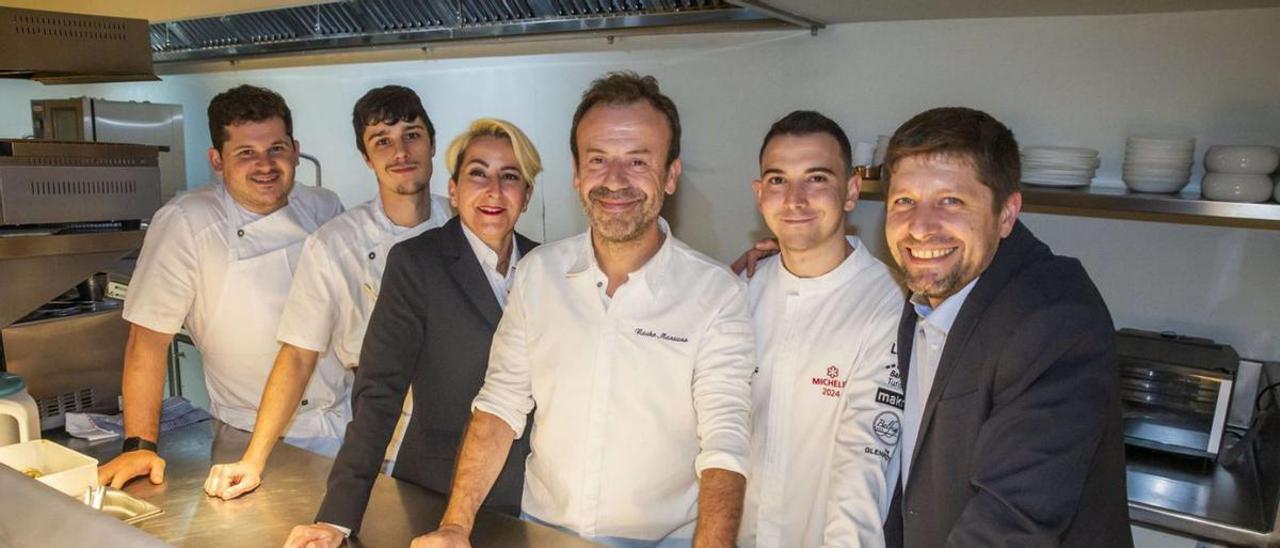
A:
431,329
1021,441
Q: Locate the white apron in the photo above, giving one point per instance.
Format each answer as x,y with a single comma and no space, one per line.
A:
239,346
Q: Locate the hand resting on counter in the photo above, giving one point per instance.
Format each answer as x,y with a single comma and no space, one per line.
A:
130,465
228,481
316,535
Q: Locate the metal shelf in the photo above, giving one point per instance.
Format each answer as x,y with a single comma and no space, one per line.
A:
1119,203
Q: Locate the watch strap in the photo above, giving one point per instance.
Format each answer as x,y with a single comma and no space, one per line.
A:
138,444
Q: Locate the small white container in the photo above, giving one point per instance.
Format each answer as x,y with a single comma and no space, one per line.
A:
63,469
1243,159
1236,187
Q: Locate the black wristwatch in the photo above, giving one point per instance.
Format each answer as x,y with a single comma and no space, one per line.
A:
138,444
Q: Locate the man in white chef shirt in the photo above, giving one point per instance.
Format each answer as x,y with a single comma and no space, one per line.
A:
633,351
340,273
219,260
826,400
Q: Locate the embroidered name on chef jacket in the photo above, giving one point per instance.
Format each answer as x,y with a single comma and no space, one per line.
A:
660,335
830,384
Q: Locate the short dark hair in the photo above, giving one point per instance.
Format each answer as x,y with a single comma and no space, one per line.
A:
624,88
808,122
388,105
966,134
245,103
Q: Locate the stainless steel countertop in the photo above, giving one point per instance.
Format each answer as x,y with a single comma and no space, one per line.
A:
292,488
1201,499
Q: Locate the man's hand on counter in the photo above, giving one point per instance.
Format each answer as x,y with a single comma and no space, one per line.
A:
447,536
316,535
130,465
228,481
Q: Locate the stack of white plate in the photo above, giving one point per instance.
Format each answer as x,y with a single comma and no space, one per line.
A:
1059,166
1158,164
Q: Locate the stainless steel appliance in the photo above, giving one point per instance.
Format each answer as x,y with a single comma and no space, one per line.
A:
1176,391
68,211
103,121
68,48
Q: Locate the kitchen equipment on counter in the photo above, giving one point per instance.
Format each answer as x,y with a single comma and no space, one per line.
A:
1158,164
1236,187
1059,166
58,467
1176,391
1249,159
67,212
19,419
103,121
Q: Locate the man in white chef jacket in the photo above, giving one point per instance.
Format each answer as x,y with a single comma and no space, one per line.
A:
340,273
633,351
219,260
826,400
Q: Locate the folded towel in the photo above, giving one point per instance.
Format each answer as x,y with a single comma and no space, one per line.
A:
174,413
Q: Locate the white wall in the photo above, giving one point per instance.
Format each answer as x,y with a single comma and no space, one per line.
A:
1086,81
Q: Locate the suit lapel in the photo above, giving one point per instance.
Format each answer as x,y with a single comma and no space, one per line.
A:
1009,259
466,272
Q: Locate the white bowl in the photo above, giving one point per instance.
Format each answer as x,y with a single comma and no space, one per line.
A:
1249,159
1155,185
1236,187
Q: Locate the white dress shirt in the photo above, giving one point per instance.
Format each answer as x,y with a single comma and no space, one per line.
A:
825,348
926,351
631,403
499,282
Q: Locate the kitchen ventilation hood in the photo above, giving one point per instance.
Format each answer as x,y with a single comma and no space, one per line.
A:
350,24
67,48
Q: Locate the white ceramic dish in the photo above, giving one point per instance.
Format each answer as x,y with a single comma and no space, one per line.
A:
1236,187
1247,159
1158,186
60,468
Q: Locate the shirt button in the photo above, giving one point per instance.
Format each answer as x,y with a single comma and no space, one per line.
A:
240,233
599,284
372,255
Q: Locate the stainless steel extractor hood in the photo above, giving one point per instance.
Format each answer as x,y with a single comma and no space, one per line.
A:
349,24
66,48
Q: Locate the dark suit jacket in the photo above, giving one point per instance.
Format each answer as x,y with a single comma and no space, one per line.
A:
431,329
1021,441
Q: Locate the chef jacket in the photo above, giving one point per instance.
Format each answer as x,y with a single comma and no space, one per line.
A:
631,401
182,277
338,281
826,365
339,277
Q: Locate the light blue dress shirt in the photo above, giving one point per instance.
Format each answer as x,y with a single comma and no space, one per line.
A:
926,350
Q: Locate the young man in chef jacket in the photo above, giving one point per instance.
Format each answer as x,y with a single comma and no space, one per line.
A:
340,273
826,399
219,260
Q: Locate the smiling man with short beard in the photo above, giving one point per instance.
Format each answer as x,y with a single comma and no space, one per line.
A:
633,351
1012,433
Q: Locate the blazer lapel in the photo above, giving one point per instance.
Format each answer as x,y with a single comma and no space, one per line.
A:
1008,260
466,272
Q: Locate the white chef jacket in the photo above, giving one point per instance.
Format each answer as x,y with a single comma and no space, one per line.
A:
499,282
631,403
340,275
826,364
180,274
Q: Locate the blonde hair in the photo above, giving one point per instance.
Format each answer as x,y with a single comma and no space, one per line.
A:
527,159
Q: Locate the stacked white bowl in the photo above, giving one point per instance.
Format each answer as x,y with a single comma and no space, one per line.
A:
1059,166
1239,173
1158,164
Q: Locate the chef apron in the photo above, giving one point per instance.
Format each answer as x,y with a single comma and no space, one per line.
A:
239,345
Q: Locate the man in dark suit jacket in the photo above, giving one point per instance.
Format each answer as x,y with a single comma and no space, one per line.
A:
436,341
1012,431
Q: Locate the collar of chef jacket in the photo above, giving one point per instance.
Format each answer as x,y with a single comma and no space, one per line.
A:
651,277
